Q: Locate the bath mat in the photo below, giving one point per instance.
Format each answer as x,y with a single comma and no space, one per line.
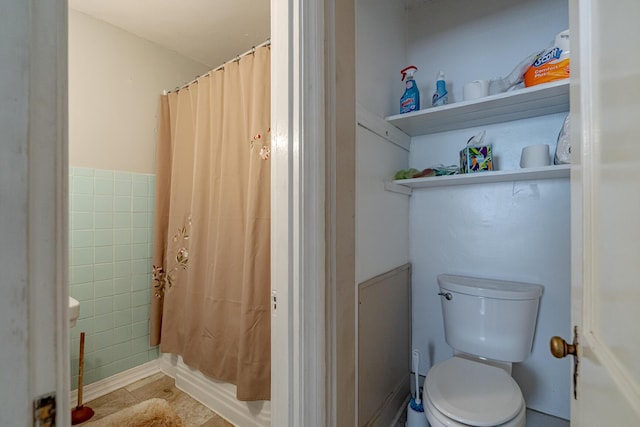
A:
150,413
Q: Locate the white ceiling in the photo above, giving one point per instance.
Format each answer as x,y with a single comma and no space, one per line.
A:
208,31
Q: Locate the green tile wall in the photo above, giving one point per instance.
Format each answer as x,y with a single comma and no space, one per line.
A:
111,244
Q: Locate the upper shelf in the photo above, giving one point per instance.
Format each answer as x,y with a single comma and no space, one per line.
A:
518,104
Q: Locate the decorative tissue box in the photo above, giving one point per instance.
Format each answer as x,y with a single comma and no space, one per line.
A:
476,159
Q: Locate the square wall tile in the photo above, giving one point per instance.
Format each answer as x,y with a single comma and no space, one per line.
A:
104,220
140,298
138,314
140,188
140,235
122,334
121,285
82,238
140,329
104,174
122,302
103,323
103,339
103,288
139,251
141,266
82,203
122,269
86,309
103,306
122,317
122,237
139,204
122,204
122,188
122,350
82,256
82,185
103,271
82,292
122,253
103,203
81,274
140,282
103,254
104,187
82,220
104,237
140,220
140,345
122,220
103,357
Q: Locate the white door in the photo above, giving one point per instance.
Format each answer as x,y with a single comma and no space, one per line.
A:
605,187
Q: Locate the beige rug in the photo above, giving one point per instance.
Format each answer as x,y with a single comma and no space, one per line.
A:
150,413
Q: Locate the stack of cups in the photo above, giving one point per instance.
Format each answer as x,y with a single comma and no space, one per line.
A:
535,156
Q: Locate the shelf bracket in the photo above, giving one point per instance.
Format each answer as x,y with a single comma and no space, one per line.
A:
397,188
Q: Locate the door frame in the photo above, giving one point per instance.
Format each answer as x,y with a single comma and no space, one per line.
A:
313,215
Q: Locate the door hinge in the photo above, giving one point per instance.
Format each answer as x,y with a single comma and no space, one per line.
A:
44,411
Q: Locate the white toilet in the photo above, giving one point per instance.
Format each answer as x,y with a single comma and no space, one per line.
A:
490,324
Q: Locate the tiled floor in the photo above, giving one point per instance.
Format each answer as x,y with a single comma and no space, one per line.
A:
192,413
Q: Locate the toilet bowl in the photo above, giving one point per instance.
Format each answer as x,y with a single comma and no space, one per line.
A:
460,393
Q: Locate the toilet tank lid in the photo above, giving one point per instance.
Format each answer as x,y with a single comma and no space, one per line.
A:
489,288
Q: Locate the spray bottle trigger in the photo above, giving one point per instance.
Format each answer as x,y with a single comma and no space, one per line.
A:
408,71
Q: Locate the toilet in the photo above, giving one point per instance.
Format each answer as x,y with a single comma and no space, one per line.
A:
490,324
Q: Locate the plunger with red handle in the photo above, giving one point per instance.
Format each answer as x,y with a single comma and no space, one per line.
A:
81,413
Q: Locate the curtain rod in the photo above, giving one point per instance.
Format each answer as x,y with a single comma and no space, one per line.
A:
237,58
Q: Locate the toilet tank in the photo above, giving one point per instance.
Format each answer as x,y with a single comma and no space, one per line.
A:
494,319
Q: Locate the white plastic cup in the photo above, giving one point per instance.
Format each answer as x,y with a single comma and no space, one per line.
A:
475,89
535,156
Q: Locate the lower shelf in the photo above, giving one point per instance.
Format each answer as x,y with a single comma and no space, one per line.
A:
405,186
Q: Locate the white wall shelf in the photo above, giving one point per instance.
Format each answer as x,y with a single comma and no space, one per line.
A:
405,186
518,104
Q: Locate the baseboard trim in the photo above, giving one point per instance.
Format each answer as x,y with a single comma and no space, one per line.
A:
218,396
114,382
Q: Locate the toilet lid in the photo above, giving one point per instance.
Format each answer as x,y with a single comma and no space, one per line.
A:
473,393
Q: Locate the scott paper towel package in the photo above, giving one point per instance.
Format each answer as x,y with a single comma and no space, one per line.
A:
550,65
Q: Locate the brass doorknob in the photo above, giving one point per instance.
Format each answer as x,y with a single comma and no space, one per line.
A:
560,348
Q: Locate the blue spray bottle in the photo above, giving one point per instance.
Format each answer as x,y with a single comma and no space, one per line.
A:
410,101
441,96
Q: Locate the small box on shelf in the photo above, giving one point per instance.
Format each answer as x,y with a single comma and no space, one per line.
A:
476,159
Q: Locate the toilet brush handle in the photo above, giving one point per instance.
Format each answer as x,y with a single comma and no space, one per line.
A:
415,356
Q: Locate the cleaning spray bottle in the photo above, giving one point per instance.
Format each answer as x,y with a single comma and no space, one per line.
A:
410,101
441,96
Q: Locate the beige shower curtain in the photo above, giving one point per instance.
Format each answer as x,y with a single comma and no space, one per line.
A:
212,227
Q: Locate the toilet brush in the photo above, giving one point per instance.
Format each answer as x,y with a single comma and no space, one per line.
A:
415,409
81,413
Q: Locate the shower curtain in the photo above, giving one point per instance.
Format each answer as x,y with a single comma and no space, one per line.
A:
211,256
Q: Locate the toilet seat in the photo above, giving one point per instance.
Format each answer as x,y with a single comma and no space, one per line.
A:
472,393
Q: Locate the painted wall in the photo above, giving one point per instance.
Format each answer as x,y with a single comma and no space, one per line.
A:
381,217
471,40
381,52
115,79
